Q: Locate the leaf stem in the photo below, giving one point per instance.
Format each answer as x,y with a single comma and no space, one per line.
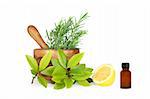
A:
33,78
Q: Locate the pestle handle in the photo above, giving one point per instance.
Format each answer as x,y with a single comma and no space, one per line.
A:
33,32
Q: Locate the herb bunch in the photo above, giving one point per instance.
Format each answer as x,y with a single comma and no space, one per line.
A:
36,70
67,33
64,72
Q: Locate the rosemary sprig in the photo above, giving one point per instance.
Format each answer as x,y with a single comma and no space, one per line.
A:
67,33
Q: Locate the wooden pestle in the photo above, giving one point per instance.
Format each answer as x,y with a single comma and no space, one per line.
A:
33,32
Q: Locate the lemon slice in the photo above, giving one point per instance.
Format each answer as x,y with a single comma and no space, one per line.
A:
104,75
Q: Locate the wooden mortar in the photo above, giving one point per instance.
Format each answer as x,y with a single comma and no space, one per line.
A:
39,53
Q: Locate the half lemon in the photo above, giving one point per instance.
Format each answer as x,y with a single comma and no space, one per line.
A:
104,75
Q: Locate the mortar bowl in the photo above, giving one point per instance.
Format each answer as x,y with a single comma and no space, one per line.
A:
39,53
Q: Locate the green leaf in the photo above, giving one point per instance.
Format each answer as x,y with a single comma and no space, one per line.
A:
83,82
78,70
55,62
59,71
33,72
48,71
58,79
33,63
84,76
62,58
45,61
42,81
59,86
68,82
89,69
75,60
58,74
88,73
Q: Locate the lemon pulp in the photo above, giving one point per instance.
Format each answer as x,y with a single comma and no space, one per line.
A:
104,75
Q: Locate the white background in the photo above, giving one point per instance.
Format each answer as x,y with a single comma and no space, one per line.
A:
118,31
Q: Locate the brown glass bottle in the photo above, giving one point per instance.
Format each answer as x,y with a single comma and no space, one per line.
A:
125,76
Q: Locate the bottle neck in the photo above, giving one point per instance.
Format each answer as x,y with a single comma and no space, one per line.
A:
125,68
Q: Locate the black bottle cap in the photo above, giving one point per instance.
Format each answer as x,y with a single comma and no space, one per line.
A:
125,65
